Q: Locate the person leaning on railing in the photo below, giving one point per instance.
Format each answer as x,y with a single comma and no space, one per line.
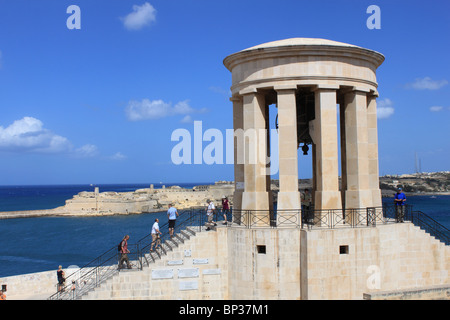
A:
399,200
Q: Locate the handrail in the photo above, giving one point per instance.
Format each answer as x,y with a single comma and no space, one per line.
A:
106,265
431,226
311,219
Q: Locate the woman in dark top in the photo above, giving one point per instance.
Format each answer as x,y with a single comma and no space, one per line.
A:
61,278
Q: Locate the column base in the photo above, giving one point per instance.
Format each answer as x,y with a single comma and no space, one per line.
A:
376,198
255,208
288,200
355,199
255,200
324,200
288,209
237,207
356,203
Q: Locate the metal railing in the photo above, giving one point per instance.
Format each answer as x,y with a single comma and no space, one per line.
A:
106,265
418,218
331,218
192,220
431,226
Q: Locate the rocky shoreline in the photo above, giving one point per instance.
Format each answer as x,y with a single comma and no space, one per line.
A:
156,200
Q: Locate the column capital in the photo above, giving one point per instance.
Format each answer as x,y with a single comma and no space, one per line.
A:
287,87
246,91
325,87
373,94
356,90
236,98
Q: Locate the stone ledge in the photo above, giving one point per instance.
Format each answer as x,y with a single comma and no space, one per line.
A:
439,292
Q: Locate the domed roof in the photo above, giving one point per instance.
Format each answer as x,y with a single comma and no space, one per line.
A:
302,45
300,41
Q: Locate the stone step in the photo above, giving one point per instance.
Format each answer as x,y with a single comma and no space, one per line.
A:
134,278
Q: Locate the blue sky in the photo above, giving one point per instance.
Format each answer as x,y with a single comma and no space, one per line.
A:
99,104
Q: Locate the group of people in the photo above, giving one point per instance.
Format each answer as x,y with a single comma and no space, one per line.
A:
172,214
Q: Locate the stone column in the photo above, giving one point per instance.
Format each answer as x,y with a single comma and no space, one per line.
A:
288,195
372,131
324,135
357,192
255,195
238,127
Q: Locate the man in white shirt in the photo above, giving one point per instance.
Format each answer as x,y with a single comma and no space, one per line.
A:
210,214
155,235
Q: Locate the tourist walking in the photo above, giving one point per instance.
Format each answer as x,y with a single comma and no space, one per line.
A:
156,239
210,215
123,249
399,200
61,276
225,209
172,214
2,295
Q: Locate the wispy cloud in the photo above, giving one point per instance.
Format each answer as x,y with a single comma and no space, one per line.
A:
140,17
427,84
118,156
157,109
436,108
384,109
187,119
86,151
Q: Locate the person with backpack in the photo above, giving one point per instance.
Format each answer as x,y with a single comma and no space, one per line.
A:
123,250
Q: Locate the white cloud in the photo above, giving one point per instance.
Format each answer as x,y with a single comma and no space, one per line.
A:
157,109
436,108
118,156
86,151
187,119
427,84
29,135
384,109
140,17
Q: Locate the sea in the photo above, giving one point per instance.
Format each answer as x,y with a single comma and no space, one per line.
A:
29,245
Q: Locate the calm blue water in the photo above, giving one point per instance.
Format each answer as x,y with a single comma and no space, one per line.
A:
39,244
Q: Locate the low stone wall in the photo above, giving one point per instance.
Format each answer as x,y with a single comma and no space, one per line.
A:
397,261
429,293
30,286
32,213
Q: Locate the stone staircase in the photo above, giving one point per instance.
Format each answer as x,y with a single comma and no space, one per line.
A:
185,267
